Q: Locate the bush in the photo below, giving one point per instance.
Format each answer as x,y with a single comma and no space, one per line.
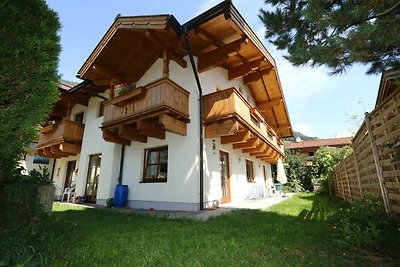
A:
365,225
22,220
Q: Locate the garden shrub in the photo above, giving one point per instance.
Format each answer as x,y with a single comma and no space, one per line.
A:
364,225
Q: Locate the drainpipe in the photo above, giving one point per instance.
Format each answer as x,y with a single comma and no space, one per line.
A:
200,114
121,165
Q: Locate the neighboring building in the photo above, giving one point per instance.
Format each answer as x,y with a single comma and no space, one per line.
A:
151,134
310,147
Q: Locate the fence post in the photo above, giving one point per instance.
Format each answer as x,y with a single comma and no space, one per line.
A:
378,166
357,172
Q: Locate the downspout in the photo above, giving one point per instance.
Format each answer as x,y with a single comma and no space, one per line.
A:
200,114
121,164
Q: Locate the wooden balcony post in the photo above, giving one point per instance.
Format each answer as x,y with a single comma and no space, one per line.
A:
166,64
378,166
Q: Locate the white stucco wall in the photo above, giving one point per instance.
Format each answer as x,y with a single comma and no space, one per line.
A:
240,188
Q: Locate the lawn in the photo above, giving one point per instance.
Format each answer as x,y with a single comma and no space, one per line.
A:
292,233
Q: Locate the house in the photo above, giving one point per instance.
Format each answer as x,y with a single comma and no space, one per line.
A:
188,116
310,147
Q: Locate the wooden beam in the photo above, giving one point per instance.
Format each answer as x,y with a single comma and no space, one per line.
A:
172,125
264,152
132,134
265,105
244,69
258,148
251,143
238,137
56,150
219,128
70,148
173,56
113,137
203,34
150,129
256,76
213,58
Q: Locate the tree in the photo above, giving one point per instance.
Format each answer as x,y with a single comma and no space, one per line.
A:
336,33
29,49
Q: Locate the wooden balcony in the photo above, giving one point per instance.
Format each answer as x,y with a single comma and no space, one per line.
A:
62,139
147,111
227,114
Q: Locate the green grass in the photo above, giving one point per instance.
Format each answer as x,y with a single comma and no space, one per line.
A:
292,233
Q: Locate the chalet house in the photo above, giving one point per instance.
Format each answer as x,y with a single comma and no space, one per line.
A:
188,116
310,147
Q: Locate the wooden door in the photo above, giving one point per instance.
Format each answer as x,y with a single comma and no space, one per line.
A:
70,174
93,175
225,177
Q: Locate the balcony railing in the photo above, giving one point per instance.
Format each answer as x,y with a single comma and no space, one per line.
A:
61,139
146,111
229,115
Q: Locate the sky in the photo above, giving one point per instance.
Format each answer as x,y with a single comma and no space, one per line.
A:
319,105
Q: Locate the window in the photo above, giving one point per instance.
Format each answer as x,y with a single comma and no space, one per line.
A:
249,171
155,164
79,117
311,154
101,108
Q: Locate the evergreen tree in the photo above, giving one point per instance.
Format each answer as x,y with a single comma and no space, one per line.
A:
336,33
29,49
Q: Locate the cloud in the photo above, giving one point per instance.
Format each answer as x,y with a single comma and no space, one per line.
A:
304,128
344,133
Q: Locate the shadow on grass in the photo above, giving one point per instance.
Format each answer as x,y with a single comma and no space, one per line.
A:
284,235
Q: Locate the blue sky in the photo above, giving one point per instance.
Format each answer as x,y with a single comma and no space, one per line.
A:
319,105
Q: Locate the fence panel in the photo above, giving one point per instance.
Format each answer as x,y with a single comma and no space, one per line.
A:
359,169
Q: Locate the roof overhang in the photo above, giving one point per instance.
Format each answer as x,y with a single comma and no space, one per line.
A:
220,37
130,46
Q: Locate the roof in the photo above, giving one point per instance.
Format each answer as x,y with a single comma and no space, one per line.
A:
66,85
389,82
219,37
319,143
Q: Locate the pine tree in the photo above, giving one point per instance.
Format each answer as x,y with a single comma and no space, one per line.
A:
336,33
29,49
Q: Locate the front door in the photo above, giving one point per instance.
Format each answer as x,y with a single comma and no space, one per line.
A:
69,178
225,177
93,177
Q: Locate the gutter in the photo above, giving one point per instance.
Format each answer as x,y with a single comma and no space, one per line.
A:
185,29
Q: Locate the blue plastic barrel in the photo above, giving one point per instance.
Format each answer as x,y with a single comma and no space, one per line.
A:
120,196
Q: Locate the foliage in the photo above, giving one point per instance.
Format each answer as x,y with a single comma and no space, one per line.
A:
364,224
326,159
29,50
302,175
336,33
22,220
297,173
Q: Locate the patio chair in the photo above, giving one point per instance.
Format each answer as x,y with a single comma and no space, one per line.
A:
67,191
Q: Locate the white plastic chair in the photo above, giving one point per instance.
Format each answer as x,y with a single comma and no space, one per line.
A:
67,191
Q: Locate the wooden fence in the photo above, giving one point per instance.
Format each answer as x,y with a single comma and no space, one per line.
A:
374,165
